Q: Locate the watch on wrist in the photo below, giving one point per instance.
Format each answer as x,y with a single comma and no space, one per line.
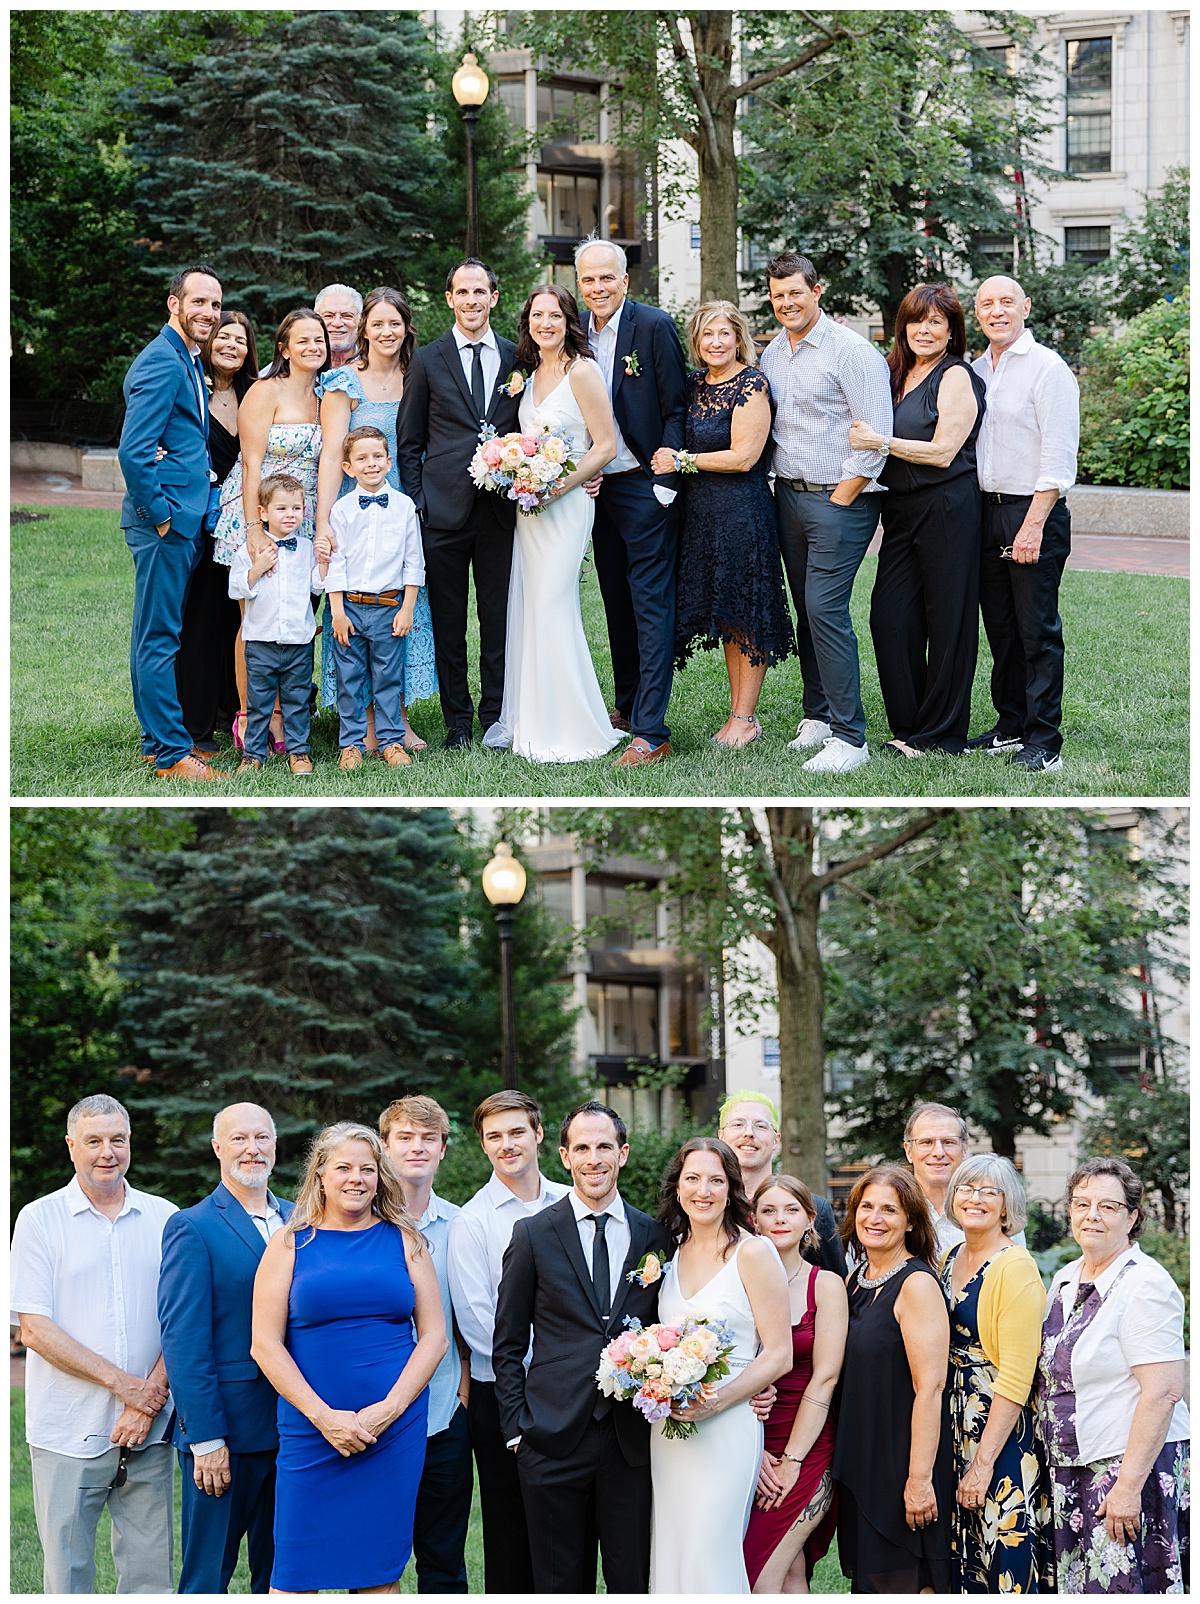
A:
885,450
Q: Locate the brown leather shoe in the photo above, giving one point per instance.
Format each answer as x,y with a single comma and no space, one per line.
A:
639,752
249,765
618,720
395,756
189,768
350,759
300,763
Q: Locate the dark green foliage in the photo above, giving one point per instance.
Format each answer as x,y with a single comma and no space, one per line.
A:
650,1154
1134,405
1152,259
1146,1121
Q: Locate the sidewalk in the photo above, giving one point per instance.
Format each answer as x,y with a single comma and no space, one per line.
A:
1129,554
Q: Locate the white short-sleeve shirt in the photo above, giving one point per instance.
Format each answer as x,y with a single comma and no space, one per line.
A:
97,1279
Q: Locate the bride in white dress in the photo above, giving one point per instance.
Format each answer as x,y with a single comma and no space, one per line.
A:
553,711
704,1485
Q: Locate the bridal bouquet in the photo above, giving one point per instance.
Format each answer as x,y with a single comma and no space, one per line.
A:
659,1366
524,467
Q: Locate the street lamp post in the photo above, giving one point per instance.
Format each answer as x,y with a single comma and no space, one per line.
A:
470,86
504,886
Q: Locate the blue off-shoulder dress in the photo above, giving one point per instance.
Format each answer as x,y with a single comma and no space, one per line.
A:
346,1523
420,673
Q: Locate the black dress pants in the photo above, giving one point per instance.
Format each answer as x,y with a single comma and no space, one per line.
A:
507,1567
204,671
444,1509
483,545
1019,603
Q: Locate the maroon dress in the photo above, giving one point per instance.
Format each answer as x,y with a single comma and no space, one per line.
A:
768,1527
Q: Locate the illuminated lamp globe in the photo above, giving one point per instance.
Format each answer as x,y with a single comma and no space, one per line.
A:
504,878
470,82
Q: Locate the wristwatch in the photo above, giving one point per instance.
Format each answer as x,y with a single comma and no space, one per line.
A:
885,450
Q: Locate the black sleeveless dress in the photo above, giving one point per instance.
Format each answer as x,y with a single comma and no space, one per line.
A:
876,1548
925,604
730,586
204,672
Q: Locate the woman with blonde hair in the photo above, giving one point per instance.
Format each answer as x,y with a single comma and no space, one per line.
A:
335,1300
730,588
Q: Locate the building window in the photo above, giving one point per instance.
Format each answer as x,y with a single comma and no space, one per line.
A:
572,116
998,251
1089,105
554,894
616,926
695,236
1088,244
622,1021
511,93
569,204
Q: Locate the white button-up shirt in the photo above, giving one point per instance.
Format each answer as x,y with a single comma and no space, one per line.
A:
1139,1322
97,1280
479,1234
616,1234
832,377
278,604
491,362
1029,439
604,348
378,548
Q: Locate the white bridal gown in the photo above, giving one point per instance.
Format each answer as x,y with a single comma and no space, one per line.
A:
553,711
704,1485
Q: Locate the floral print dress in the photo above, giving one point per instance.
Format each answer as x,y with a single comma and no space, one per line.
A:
1088,1560
1005,1547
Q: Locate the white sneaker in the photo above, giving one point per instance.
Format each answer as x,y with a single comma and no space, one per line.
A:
838,757
810,732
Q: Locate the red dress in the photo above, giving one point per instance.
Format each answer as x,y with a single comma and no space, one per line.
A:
768,1527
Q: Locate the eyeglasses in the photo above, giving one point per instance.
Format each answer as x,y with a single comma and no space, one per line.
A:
928,1144
1006,554
760,1127
1108,1209
985,1194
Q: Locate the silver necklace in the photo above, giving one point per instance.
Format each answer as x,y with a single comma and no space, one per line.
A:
866,1281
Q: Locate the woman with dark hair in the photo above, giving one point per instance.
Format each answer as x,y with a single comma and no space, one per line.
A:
367,390
925,604
552,709
1110,1404
892,1462
204,669
722,1272
795,1513
279,432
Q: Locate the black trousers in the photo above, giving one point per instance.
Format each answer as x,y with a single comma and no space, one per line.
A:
1019,603
484,546
444,1509
924,617
635,540
507,1567
595,1493
204,671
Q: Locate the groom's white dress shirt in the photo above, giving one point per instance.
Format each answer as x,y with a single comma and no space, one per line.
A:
604,348
616,1234
491,361
479,1234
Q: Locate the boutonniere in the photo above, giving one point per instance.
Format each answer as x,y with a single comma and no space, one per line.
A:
632,370
513,385
650,1269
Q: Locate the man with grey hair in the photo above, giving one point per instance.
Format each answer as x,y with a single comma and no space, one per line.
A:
635,537
935,1144
225,1429
85,1265
1027,451
339,307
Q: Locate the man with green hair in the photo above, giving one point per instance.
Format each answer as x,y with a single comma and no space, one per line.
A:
749,1123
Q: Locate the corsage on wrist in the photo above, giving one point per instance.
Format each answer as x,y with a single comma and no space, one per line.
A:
685,462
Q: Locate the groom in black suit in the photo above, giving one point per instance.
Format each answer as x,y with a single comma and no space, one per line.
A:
636,533
583,1459
451,389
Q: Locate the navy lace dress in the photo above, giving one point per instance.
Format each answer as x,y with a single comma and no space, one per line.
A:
730,572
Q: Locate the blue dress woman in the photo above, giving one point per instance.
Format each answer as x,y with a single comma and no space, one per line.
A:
386,341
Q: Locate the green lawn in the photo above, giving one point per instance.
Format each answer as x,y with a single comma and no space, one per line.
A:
26,1553
73,731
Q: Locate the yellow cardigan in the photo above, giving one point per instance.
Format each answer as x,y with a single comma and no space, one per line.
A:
1012,1306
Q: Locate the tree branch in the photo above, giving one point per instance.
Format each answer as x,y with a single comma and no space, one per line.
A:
783,907
832,36
695,87
883,849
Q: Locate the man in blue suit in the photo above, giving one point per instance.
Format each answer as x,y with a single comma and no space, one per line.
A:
225,1428
636,534
166,405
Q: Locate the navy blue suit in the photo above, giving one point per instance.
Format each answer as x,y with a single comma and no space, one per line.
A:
164,406
210,1255
635,538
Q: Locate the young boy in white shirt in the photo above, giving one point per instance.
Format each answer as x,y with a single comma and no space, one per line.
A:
375,571
278,625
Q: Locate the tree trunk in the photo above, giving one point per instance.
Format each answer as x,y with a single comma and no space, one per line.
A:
712,39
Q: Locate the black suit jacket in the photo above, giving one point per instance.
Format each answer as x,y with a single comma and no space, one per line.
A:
437,432
649,405
545,1286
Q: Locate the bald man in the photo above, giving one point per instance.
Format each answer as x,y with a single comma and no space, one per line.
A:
1026,457
225,1428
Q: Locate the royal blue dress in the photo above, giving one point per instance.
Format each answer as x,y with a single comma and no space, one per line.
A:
344,1523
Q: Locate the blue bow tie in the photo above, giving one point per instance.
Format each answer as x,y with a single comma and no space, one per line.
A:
365,501
287,545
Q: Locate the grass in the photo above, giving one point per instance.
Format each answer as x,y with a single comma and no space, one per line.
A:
73,732
25,1552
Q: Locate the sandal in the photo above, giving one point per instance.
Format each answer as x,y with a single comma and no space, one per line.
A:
744,718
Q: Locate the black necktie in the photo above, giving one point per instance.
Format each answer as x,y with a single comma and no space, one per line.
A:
287,545
477,380
600,1279
365,501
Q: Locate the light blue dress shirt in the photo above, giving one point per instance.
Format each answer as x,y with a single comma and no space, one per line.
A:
443,1387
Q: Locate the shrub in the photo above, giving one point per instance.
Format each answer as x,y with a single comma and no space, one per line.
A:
1173,1253
1134,402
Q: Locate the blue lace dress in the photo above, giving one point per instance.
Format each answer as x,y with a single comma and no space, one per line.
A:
420,674
730,584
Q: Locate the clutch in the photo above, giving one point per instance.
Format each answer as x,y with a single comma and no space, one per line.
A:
212,512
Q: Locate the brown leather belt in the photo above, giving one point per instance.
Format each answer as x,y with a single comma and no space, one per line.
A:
385,598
